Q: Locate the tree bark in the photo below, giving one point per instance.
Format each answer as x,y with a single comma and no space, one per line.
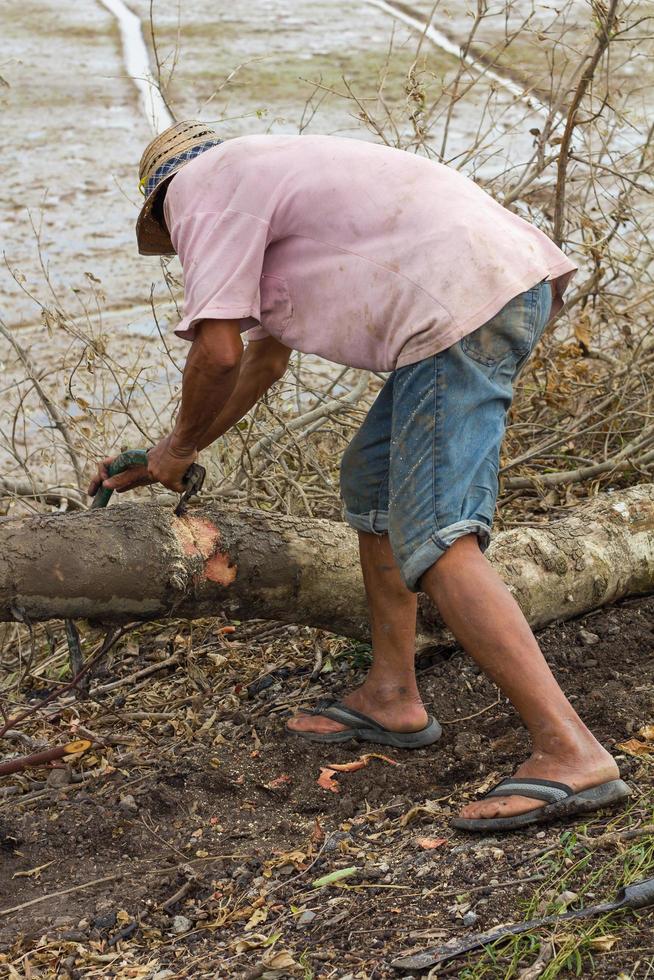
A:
138,562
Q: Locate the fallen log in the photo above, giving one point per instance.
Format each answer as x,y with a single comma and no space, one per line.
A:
139,562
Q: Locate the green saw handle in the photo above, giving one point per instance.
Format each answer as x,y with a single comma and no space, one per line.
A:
131,457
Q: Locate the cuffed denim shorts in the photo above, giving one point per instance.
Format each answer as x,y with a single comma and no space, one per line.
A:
423,466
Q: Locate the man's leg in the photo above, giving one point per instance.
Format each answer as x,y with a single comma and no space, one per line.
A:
489,625
389,693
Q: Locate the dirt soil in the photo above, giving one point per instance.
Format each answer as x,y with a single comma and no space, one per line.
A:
189,847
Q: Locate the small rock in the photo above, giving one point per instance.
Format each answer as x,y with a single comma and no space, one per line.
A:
128,804
106,921
470,918
59,777
384,868
181,924
347,806
305,919
62,921
244,879
333,841
587,638
163,974
261,684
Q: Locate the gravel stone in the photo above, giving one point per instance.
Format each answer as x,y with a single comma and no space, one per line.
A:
128,804
181,924
587,638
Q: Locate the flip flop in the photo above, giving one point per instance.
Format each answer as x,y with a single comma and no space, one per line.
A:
361,728
559,799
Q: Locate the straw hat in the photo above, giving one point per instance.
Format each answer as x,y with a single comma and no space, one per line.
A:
162,158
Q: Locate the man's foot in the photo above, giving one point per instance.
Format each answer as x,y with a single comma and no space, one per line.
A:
395,708
579,770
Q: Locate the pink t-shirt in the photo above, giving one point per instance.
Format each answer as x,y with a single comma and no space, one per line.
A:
363,254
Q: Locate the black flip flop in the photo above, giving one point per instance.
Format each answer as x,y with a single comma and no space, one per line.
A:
361,728
559,799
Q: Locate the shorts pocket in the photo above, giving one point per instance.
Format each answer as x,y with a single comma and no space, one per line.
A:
510,333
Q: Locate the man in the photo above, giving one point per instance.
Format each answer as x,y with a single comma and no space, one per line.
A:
379,259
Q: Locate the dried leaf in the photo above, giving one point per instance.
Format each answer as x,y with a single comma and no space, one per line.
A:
327,773
33,872
539,965
415,812
257,917
361,762
647,732
334,877
326,780
582,332
255,941
603,943
279,961
318,833
634,747
430,843
297,857
278,782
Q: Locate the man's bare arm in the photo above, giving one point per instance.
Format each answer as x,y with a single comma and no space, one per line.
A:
263,363
220,385
210,376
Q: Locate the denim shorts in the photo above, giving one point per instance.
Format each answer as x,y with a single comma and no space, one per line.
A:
423,466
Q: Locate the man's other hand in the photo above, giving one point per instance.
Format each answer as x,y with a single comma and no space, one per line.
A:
168,461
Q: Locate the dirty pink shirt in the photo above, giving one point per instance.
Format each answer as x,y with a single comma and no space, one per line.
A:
366,255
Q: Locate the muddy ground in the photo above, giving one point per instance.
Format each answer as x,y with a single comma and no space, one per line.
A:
191,843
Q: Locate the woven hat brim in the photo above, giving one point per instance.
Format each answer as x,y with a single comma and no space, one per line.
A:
162,158
151,237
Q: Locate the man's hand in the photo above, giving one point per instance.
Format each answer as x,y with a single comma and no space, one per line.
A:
168,461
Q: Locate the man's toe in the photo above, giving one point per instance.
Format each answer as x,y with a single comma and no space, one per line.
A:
313,723
508,806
